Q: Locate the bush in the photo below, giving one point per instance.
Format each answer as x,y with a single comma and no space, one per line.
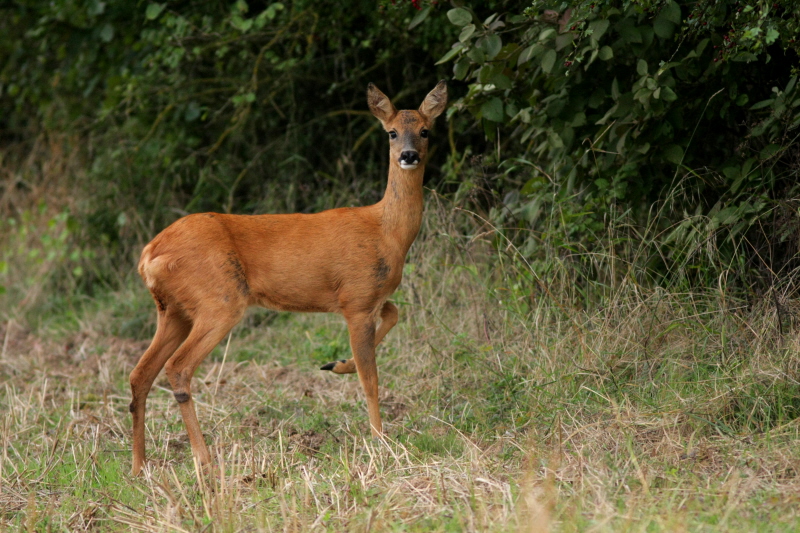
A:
684,114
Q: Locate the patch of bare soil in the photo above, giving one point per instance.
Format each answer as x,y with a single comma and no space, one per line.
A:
307,442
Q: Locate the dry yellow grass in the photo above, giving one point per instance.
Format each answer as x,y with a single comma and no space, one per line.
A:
508,408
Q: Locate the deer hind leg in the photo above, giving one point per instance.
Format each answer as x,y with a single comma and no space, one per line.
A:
206,333
388,321
362,342
171,330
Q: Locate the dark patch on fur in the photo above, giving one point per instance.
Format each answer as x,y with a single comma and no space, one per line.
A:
408,117
209,215
382,270
182,397
160,303
132,407
237,273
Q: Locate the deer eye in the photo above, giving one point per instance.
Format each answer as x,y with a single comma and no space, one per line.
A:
393,135
424,134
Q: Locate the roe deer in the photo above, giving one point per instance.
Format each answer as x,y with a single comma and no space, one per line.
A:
205,269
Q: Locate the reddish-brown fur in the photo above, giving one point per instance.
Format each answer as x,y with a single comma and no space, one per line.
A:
204,270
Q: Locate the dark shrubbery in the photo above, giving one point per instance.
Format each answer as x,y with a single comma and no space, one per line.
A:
681,115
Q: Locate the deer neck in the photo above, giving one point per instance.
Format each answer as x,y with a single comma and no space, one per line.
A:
401,205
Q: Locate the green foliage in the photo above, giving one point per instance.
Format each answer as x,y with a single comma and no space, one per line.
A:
235,107
38,248
597,108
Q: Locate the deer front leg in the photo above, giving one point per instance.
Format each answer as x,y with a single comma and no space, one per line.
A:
362,342
388,321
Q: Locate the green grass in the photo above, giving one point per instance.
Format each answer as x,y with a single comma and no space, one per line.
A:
655,411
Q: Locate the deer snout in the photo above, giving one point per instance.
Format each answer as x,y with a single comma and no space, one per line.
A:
409,159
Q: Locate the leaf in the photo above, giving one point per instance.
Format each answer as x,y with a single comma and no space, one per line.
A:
272,10
493,110
725,216
501,81
476,55
606,53
546,33
466,32
459,16
673,153
630,33
744,57
598,28
511,110
762,104
154,10
772,36
663,28
608,115
420,17
451,54
790,85
243,25
487,71
192,112
548,60
107,33
530,52
641,67
555,140
246,98
563,40
491,45
671,12
643,95
769,151
461,68
668,95
578,120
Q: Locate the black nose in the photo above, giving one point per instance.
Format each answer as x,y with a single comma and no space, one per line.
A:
409,158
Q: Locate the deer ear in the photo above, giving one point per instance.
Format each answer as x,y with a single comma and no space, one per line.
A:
379,104
435,102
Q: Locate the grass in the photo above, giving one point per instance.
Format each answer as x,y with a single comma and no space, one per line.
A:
506,409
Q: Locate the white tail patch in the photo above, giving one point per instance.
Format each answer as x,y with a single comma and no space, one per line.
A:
150,269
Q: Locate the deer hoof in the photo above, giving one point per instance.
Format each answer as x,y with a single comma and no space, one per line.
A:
331,366
345,366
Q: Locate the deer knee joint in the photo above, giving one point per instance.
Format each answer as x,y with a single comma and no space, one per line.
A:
182,397
132,407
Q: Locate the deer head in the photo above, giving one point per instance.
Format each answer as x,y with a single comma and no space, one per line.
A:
408,130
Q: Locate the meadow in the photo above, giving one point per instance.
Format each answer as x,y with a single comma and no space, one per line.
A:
508,408
598,321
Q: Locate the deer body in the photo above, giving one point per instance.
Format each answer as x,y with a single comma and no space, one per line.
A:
204,270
